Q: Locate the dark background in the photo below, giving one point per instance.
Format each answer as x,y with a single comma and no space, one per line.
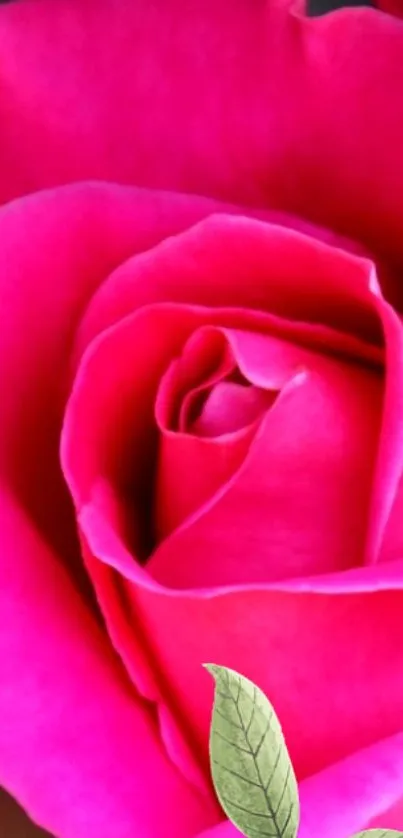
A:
320,7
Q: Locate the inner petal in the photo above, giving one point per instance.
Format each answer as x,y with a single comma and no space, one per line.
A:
299,503
205,360
205,432
229,407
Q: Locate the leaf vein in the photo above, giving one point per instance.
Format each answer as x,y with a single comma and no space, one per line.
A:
273,771
254,756
226,719
263,737
252,715
285,825
285,786
230,802
236,774
234,744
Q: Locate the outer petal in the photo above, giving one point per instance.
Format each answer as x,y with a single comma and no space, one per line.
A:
269,108
284,641
62,693
391,7
64,697
361,792
55,250
310,281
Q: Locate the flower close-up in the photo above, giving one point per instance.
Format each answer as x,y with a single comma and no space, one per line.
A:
201,412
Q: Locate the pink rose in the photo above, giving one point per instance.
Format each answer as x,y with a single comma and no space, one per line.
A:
209,392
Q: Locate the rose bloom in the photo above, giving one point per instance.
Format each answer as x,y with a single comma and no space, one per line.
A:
201,419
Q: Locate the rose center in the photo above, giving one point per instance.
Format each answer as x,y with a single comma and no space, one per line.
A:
207,413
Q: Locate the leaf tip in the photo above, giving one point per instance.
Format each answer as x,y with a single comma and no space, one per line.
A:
212,668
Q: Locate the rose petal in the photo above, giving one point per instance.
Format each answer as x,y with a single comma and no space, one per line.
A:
152,608
299,503
190,471
273,636
286,642
65,698
190,468
392,543
358,793
267,114
105,437
50,645
78,234
205,360
104,434
107,450
310,282
231,407
363,791
391,7
390,454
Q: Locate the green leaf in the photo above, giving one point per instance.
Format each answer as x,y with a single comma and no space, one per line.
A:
379,833
250,765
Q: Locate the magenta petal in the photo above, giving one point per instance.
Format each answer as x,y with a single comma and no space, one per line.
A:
391,7
310,282
357,793
68,714
266,115
299,503
278,638
284,622
363,791
65,698
231,407
382,535
190,471
204,360
78,234
191,466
